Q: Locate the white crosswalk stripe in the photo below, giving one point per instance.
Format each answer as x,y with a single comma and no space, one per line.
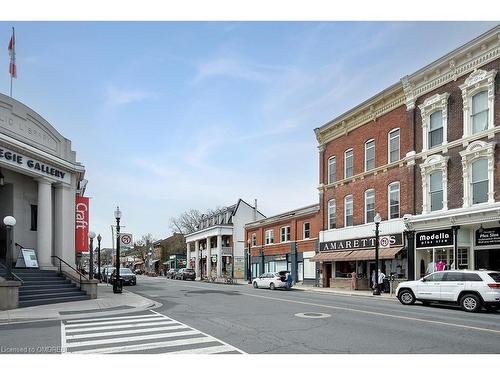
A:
142,333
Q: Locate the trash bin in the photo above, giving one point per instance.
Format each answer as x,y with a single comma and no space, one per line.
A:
118,285
386,287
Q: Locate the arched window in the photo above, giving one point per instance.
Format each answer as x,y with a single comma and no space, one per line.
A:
369,155
393,200
369,205
393,142
332,170
332,218
348,211
348,163
478,162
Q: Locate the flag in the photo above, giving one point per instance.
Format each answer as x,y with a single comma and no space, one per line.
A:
12,54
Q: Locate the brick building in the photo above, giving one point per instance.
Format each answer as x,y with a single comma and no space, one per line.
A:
453,107
287,241
363,172
422,154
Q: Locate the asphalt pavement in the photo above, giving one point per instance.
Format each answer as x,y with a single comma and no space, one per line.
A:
199,317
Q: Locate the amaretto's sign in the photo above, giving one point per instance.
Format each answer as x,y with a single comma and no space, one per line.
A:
9,157
362,243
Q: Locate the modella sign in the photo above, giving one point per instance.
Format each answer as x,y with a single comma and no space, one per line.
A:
362,243
9,157
442,237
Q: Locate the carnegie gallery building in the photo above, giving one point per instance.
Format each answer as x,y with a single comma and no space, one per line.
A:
39,181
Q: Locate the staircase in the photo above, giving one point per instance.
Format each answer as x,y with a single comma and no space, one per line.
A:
41,287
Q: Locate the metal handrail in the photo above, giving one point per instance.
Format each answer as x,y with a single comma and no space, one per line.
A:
13,274
70,266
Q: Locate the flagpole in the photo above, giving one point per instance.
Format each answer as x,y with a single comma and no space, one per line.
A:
11,75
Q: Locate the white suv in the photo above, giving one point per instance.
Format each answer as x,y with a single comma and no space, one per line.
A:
469,289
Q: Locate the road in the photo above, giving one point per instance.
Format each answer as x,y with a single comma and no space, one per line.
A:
211,318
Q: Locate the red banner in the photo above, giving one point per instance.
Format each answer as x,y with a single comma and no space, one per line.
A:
82,224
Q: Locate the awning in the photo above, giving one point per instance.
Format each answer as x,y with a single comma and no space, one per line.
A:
352,255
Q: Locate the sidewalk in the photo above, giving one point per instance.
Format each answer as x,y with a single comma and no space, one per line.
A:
107,303
345,292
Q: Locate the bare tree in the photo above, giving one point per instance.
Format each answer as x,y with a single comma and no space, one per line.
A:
186,222
141,247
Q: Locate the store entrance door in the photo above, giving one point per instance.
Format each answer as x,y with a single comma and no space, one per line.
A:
328,274
487,259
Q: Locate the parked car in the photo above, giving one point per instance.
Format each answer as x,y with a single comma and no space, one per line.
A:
106,273
138,271
171,273
271,280
468,289
185,274
126,275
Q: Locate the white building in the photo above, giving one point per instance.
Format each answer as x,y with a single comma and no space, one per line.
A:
39,177
218,246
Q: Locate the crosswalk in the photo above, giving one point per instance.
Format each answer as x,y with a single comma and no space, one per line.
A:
147,332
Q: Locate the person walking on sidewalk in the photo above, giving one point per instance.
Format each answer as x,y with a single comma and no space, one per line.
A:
289,280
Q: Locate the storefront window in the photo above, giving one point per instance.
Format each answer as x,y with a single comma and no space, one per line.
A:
344,269
463,258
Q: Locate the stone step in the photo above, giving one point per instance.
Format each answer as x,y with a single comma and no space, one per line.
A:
46,286
35,291
63,293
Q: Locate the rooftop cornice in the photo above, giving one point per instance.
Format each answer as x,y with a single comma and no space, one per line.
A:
369,110
463,60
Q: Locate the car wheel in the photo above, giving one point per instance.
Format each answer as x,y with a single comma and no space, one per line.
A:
271,286
406,297
255,285
470,303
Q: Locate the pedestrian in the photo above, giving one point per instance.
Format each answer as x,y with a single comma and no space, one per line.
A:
374,281
381,277
289,280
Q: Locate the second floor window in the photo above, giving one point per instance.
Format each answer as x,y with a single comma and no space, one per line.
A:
369,206
348,211
285,234
394,145
479,114
480,181
332,173
307,230
393,200
436,129
254,239
269,236
369,155
332,218
348,163
436,190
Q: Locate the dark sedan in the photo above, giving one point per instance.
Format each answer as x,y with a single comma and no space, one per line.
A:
186,274
126,275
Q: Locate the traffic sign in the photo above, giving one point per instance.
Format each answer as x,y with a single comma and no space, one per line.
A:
125,239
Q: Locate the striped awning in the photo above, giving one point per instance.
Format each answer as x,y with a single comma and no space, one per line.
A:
352,255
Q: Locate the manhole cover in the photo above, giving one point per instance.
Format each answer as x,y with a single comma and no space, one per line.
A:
312,315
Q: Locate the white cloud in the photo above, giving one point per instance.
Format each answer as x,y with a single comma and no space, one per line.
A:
120,96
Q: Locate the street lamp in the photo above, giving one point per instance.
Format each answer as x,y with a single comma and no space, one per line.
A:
91,253
117,285
377,220
249,266
149,259
9,222
99,238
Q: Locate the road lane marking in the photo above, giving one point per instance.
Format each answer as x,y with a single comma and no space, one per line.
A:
376,313
129,331
123,320
133,325
110,319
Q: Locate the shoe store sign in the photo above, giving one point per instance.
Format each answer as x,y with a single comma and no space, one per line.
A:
23,162
443,237
385,241
488,236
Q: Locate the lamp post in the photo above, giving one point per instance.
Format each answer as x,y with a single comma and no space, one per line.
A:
377,220
91,255
9,222
249,265
117,285
99,238
149,260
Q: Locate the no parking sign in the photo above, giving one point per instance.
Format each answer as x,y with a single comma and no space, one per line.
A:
125,239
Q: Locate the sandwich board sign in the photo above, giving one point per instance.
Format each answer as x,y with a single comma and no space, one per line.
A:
27,258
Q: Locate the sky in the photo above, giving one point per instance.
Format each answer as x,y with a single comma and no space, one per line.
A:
170,116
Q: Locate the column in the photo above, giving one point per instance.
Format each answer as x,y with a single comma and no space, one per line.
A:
219,255
410,245
197,259
44,222
209,260
188,254
64,223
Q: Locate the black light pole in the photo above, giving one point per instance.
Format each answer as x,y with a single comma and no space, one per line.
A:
377,220
99,238
9,222
249,265
91,255
117,285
